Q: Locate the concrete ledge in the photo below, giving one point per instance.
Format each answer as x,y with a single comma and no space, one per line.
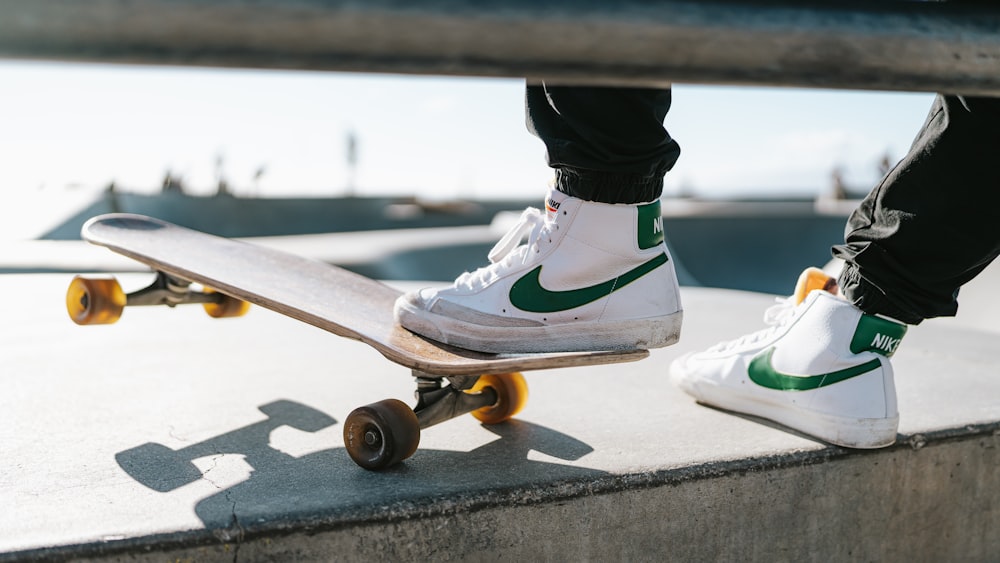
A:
825,505
158,438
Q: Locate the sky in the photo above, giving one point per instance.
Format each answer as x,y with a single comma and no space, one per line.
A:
67,130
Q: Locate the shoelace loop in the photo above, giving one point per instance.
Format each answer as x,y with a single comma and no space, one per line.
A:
535,224
530,222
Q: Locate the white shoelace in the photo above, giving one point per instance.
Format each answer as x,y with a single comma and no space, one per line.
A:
776,316
534,223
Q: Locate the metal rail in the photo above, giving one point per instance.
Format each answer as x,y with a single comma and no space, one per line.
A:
887,45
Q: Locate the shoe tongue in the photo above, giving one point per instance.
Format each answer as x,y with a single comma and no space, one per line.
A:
552,202
812,279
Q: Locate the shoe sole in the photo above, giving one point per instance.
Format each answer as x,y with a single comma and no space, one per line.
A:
849,432
654,332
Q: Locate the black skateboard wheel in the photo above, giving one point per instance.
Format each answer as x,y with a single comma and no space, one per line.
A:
381,434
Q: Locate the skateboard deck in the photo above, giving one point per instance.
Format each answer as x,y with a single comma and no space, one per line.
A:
326,296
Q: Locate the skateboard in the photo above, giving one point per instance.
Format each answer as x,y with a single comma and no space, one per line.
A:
226,275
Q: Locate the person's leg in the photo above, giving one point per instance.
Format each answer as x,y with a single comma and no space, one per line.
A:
933,223
595,273
605,144
823,366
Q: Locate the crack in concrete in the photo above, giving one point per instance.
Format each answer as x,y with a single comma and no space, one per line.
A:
234,531
215,463
234,524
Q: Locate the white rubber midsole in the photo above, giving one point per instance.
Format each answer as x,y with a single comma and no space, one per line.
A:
851,432
653,332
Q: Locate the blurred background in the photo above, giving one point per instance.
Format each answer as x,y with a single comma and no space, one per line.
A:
765,180
68,131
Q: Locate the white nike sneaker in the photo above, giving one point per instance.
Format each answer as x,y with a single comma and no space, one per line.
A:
592,276
822,368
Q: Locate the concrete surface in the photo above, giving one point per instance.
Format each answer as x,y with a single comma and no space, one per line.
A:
148,440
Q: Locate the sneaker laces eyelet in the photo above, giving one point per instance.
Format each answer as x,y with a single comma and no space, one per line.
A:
508,250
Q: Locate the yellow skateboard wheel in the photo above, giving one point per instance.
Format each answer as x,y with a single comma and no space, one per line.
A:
512,395
381,434
95,301
227,306
810,279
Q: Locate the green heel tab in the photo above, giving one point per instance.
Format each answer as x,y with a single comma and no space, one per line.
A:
878,335
650,229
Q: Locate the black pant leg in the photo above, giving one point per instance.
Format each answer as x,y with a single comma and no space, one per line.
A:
605,144
933,223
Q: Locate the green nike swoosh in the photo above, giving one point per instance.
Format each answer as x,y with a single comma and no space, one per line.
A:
762,372
528,294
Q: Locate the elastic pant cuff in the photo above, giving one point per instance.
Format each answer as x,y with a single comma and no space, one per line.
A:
609,187
870,298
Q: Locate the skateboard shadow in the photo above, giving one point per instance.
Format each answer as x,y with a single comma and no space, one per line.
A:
328,484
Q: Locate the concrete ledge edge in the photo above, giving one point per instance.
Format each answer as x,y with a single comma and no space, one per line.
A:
428,507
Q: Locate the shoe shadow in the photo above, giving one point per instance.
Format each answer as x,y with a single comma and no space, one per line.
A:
786,429
327,483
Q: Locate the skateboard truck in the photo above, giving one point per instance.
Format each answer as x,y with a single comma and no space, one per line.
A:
437,403
92,301
170,291
382,434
